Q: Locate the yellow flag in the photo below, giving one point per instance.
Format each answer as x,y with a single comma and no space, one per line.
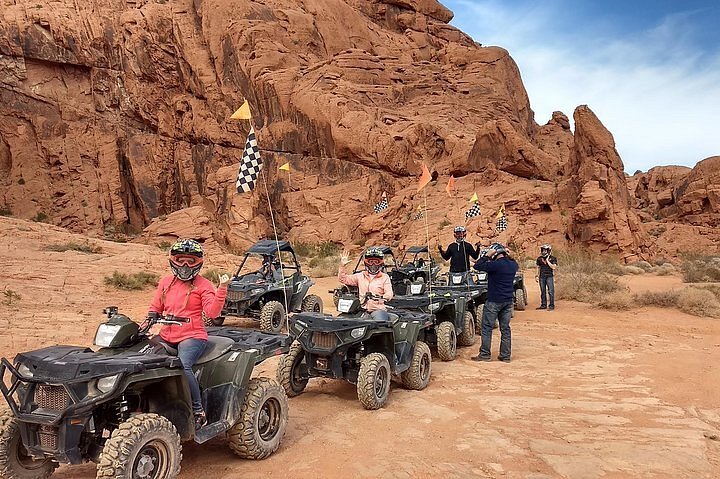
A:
473,198
501,212
242,113
285,167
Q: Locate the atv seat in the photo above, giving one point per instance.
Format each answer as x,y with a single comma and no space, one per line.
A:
216,347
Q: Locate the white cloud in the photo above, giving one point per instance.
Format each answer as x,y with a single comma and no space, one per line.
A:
656,93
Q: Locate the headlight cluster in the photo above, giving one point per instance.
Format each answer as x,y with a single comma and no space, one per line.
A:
25,371
257,291
102,385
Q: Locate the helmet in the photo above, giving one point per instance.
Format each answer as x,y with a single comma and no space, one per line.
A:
186,259
374,260
545,249
460,232
500,250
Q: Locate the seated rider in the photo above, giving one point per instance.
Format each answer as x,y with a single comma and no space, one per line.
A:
373,280
268,268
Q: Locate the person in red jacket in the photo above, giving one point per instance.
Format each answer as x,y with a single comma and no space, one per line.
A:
184,294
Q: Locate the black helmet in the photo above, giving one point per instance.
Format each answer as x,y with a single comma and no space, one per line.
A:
460,232
374,260
186,259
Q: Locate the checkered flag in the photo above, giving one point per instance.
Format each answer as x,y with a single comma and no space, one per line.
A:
473,211
250,165
419,215
502,224
382,205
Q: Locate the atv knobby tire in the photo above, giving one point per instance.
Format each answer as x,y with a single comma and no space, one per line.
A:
263,418
14,462
312,304
146,445
478,319
417,376
373,383
288,371
467,337
520,299
272,317
446,341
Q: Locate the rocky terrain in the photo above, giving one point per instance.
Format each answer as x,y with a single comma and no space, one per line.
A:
114,117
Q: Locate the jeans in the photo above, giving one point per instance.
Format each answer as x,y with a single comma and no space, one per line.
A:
380,315
189,351
547,283
502,312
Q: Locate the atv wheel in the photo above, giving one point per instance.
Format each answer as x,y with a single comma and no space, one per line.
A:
467,337
263,418
14,461
146,446
289,373
446,341
312,304
417,376
478,319
272,317
520,299
373,383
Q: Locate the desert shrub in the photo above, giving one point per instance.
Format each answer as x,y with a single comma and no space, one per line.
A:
643,264
582,261
133,281
5,211
620,300
664,270
83,248
703,269
327,249
586,287
633,270
10,296
699,302
661,299
323,267
303,249
318,250
713,288
213,275
41,217
445,222
165,245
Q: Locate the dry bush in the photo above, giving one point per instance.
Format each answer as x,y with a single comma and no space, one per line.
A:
633,270
713,288
666,269
133,281
700,269
323,267
213,275
643,264
586,287
699,302
583,261
661,299
617,301
83,248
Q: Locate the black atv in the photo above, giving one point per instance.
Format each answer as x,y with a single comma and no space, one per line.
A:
127,405
390,265
453,316
416,265
359,349
260,290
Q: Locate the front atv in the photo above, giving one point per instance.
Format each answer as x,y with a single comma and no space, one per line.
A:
361,350
127,405
262,290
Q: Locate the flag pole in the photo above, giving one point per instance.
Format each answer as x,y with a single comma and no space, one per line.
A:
427,236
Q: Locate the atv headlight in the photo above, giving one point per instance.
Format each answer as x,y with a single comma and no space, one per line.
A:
457,279
358,333
433,307
25,371
106,384
257,291
482,276
105,334
416,288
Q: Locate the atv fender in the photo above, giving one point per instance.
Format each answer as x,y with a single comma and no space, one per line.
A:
301,289
406,335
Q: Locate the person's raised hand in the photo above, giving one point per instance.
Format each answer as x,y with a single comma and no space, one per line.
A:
224,280
345,257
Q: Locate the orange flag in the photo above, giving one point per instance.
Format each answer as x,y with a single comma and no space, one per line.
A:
450,186
424,178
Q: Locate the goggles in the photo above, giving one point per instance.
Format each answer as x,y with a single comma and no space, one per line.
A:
374,261
186,260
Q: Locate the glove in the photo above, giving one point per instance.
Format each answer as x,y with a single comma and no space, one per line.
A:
224,280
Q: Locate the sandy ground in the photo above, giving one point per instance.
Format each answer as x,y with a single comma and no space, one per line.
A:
589,394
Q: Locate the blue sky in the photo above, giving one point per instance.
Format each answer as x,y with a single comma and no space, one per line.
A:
650,70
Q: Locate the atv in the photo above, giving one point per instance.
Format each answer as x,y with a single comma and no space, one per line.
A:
127,405
261,290
362,350
390,265
452,313
419,266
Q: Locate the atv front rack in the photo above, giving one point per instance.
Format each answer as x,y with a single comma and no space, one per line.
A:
266,344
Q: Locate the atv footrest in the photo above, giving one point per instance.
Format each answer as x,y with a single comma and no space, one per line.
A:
209,431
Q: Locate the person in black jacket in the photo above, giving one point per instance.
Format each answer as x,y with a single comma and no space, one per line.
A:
501,269
459,252
545,276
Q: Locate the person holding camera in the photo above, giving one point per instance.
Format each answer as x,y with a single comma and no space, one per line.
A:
546,266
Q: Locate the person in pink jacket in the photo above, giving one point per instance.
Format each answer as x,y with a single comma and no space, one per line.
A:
186,295
372,280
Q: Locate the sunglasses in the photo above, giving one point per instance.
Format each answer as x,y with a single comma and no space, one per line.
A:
186,260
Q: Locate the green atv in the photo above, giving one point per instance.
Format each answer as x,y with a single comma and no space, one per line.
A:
127,405
355,347
262,290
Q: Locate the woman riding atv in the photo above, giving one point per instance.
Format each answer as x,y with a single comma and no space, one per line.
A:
373,280
184,294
